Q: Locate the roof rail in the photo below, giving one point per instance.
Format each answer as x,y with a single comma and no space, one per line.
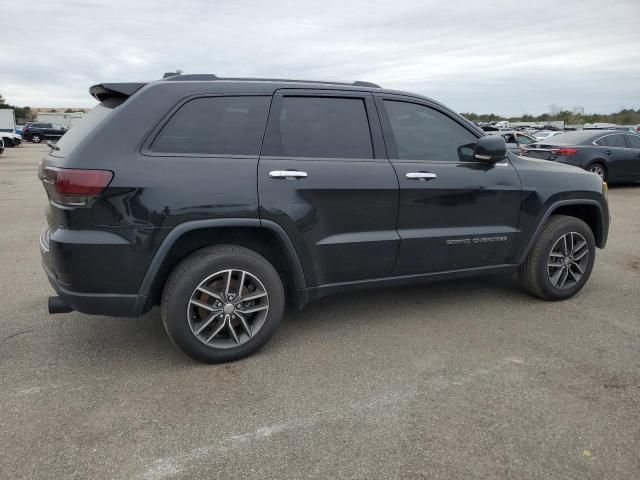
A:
203,77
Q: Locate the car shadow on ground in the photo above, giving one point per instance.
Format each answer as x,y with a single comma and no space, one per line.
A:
143,340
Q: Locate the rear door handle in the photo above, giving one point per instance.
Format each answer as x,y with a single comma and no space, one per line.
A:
420,175
287,174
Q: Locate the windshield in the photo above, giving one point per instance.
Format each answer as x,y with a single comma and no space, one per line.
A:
78,132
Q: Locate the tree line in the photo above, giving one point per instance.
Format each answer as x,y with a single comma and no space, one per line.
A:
626,116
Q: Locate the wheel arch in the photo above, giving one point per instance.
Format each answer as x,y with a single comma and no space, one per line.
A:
589,211
262,236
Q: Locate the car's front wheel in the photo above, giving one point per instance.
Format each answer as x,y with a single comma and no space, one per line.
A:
222,303
560,262
35,138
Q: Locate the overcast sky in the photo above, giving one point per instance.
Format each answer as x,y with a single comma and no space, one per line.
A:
508,57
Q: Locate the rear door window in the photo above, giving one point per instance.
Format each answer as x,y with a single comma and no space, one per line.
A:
616,140
215,126
325,127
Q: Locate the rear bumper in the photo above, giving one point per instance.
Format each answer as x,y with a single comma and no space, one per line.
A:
111,304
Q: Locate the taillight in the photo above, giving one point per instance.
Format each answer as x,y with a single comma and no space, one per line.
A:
567,151
72,187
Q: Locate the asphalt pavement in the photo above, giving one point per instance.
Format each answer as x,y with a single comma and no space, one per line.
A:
462,379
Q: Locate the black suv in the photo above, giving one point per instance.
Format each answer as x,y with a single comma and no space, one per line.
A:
218,199
37,132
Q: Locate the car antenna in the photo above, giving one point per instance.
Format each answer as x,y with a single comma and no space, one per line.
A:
52,145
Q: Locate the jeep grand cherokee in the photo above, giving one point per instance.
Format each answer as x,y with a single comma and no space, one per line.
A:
219,198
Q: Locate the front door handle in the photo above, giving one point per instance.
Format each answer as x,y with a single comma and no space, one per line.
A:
421,175
287,174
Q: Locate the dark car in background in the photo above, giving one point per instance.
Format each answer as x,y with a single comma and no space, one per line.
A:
37,132
612,154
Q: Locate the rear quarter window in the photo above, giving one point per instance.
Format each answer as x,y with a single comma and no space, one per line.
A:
215,126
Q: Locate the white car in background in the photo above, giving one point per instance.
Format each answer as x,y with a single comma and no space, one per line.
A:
10,139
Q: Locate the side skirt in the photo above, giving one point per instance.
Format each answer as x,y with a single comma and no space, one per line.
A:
315,293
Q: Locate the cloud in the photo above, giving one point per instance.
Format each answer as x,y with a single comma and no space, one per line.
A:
506,57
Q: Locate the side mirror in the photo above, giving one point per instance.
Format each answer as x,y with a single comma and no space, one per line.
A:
490,149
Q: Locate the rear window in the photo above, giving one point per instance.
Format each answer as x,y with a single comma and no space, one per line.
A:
573,138
75,135
215,126
324,127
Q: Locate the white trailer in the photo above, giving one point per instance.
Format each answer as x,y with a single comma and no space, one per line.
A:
7,120
67,120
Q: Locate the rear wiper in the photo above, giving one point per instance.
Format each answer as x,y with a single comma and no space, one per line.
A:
52,145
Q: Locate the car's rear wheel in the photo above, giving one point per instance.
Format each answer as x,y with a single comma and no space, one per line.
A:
599,169
222,303
35,138
561,261
8,142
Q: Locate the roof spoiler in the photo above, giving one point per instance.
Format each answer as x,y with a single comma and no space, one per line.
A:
102,91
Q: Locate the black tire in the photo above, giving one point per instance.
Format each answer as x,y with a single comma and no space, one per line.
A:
534,274
8,142
600,167
195,269
36,138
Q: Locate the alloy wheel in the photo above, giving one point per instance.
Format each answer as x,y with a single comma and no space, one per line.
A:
568,260
228,308
598,170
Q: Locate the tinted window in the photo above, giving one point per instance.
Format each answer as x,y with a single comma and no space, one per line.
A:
325,127
215,125
422,133
509,137
614,141
634,140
